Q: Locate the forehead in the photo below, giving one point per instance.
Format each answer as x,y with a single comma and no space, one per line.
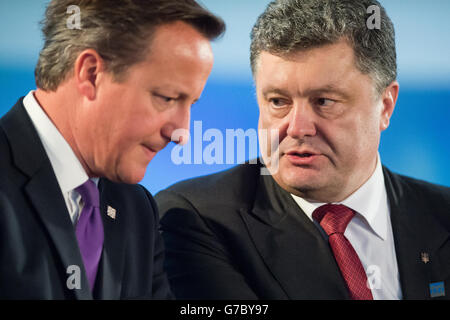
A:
178,56
179,38
325,66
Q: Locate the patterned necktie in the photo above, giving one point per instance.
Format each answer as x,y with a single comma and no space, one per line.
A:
89,230
334,219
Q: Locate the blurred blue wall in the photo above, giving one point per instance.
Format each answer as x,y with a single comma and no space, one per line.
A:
416,143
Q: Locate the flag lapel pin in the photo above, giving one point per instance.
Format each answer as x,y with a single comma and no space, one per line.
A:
111,212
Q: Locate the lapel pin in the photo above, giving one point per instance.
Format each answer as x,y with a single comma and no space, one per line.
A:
425,257
437,289
111,212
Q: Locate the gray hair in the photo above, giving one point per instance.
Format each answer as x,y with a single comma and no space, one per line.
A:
119,30
287,26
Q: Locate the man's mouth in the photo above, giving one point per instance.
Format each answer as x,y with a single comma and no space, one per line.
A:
301,154
302,157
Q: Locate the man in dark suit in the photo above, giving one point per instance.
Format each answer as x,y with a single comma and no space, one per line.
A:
113,84
328,221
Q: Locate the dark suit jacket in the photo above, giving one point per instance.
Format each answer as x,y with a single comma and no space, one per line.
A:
37,238
238,235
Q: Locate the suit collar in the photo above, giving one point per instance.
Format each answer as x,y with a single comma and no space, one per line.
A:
271,202
27,150
45,195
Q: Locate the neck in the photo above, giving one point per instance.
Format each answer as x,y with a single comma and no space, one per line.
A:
59,107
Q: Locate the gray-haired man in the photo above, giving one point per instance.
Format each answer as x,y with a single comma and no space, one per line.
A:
330,222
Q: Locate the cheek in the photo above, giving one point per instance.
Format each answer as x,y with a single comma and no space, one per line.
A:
136,120
145,127
370,127
122,132
270,123
358,140
267,126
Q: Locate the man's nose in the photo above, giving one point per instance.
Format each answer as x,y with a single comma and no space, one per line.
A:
177,126
301,121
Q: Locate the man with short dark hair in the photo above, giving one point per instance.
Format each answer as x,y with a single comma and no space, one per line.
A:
110,92
329,222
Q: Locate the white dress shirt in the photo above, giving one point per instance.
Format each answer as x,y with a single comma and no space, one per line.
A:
370,233
68,170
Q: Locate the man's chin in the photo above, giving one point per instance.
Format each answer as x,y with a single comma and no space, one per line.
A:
301,174
301,179
130,176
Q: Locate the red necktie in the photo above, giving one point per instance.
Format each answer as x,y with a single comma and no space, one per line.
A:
334,218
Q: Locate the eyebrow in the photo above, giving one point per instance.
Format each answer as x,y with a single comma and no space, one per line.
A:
325,89
275,90
328,89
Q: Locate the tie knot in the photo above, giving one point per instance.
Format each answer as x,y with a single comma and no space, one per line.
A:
333,218
89,193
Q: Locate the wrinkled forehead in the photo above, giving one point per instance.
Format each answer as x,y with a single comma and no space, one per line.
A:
330,61
341,46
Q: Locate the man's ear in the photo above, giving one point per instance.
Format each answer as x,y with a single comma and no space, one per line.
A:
388,100
87,67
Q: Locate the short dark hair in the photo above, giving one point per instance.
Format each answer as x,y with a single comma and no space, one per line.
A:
290,25
118,30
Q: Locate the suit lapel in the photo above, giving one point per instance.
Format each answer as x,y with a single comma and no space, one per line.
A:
109,278
292,247
43,191
49,204
417,236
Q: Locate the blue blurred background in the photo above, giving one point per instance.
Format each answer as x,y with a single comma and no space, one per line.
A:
416,143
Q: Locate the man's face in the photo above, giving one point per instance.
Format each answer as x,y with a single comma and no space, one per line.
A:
328,118
120,131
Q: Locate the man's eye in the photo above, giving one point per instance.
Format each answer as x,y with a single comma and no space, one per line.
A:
278,102
324,102
165,99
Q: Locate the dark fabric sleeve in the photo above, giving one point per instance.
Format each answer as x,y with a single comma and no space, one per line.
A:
197,263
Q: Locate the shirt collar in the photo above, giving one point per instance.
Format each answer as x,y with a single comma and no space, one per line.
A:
68,169
370,201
